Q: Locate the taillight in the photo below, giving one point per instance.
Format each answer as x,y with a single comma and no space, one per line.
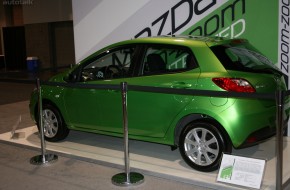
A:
234,84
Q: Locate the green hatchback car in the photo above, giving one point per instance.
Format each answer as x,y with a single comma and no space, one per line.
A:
202,127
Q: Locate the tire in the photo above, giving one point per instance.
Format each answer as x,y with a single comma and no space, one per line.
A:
201,145
53,124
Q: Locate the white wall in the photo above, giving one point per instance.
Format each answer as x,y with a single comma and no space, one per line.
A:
94,20
98,23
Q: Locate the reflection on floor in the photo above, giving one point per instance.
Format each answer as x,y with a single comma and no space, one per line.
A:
153,159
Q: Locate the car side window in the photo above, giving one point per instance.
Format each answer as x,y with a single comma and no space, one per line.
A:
159,60
111,64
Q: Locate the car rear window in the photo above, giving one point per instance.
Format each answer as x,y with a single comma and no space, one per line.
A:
243,57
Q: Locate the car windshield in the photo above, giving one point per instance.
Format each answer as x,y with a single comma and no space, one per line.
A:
244,57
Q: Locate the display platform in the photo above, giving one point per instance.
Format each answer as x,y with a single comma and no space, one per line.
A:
148,158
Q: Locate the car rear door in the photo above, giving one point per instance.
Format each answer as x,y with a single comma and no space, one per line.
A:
151,114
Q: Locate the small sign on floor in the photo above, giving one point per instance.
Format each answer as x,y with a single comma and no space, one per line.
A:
243,171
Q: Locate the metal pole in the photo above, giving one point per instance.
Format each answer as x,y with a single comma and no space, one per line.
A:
3,49
126,134
279,139
5,69
128,178
43,158
41,121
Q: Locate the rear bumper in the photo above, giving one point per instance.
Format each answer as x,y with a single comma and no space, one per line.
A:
262,135
249,122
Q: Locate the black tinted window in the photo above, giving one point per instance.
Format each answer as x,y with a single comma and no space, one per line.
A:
243,57
111,64
159,60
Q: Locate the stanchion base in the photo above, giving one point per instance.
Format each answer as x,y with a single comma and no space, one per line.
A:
46,159
121,179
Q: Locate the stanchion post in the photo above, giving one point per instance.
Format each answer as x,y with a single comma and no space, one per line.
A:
279,139
40,121
43,158
124,88
128,178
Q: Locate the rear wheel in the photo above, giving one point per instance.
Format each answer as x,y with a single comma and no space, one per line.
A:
53,124
201,146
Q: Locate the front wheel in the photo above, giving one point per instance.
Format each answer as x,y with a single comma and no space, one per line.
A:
53,124
201,146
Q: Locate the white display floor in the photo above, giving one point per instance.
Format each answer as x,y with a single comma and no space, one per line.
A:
152,159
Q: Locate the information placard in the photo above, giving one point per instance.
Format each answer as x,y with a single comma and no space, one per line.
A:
241,171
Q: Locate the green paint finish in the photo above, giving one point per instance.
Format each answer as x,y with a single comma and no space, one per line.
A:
157,117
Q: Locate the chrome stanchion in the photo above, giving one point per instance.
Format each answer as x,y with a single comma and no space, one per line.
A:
279,139
43,158
128,178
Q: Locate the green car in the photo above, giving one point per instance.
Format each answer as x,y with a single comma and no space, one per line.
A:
202,127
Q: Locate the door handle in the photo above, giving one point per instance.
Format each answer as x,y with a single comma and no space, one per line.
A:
181,85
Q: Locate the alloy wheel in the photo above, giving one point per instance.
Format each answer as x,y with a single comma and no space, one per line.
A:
50,123
201,146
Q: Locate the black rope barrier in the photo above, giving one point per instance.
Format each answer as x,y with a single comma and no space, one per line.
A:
83,86
278,96
196,92
222,94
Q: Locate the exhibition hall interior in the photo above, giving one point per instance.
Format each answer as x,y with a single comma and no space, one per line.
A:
147,94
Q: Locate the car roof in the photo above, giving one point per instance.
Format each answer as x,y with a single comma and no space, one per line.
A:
183,40
186,40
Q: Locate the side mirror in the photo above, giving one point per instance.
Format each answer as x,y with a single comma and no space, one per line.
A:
71,77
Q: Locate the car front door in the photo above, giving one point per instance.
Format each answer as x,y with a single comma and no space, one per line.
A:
91,108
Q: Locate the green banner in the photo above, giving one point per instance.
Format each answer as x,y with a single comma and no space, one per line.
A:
255,20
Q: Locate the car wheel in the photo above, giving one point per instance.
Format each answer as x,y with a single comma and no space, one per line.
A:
53,124
201,146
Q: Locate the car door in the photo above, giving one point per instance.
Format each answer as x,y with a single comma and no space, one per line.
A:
165,66
90,108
